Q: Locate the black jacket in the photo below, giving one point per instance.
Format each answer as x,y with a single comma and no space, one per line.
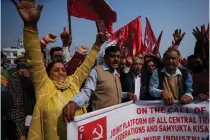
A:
128,85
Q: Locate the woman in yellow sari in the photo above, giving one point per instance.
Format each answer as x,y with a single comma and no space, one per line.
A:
54,88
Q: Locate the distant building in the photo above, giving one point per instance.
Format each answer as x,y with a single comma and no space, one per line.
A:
12,53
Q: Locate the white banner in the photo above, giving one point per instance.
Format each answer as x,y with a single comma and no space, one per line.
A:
144,120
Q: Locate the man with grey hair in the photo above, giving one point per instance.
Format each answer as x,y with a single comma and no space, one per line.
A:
134,81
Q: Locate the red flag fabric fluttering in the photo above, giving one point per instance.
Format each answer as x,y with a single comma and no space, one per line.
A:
142,46
184,61
93,10
155,50
149,38
130,36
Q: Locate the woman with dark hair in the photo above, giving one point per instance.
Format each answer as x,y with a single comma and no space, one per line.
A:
53,89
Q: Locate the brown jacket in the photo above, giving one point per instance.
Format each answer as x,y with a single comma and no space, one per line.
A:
108,90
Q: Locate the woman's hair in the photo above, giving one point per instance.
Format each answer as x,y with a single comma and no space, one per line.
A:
50,65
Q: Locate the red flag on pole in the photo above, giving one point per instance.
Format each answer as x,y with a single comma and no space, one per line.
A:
93,10
149,38
130,36
142,46
155,50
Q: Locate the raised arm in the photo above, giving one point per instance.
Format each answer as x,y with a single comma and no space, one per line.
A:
47,39
178,36
82,72
76,60
30,16
66,43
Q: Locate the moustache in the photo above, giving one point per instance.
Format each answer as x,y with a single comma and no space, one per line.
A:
116,62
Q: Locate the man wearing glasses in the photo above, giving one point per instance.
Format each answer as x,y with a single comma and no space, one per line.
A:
102,85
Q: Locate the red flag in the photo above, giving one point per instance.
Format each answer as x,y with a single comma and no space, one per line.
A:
130,36
93,10
155,50
142,46
149,38
184,61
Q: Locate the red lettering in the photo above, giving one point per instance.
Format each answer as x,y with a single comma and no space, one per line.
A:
124,134
204,120
152,128
151,120
157,109
116,130
152,138
161,120
203,109
124,126
197,110
141,111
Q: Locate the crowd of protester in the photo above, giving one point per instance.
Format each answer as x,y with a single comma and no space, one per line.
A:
56,91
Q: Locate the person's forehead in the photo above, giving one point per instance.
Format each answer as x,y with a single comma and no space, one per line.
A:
118,52
138,61
58,64
123,59
140,55
150,63
172,54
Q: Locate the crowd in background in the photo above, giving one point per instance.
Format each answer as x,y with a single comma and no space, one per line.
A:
56,91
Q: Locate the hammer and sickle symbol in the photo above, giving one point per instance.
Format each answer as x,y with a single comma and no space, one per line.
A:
99,135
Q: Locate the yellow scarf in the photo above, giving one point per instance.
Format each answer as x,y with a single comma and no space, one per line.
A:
63,85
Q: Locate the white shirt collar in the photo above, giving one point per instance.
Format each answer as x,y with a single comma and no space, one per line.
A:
106,68
139,75
177,72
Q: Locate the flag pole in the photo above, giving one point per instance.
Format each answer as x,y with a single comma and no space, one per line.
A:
69,18
159,54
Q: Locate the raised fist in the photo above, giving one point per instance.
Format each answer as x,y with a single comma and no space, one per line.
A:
83,49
